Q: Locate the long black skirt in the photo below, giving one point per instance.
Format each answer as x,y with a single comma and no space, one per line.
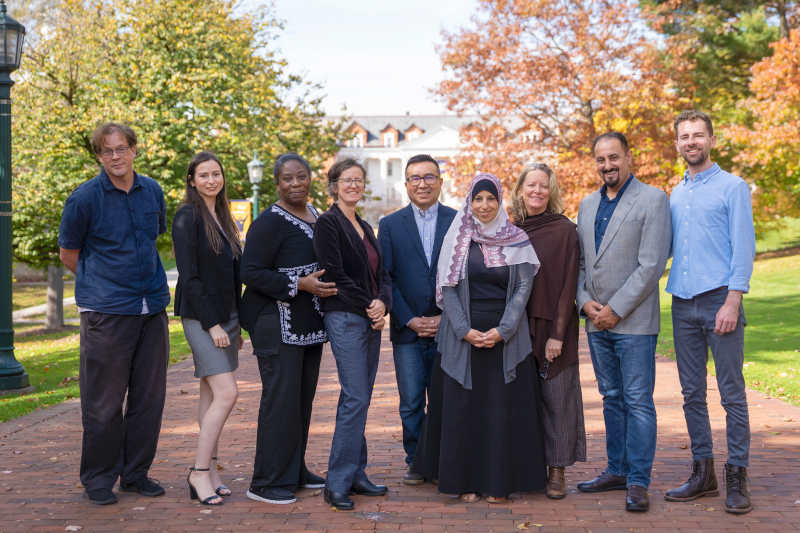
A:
490,437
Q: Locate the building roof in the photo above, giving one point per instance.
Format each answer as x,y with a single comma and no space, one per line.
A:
375,124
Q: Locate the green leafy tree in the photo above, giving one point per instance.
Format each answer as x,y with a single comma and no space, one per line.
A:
188,75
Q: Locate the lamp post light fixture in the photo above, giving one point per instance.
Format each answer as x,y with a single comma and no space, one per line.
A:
13,377
255,171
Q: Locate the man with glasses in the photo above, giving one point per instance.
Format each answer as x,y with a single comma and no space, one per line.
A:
410,241
107,238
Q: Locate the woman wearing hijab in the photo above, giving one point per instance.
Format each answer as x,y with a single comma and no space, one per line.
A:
490,439
553,320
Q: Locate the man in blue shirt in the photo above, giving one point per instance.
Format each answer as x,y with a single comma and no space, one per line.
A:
410,241
624,233
713,249
108,237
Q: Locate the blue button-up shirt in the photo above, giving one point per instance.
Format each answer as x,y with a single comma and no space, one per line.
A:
605,210
426,225
118,265
713,240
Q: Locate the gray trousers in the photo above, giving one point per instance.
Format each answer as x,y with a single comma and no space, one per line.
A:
693,330
121,355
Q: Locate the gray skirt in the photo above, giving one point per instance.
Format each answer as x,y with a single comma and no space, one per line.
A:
210,360
562,418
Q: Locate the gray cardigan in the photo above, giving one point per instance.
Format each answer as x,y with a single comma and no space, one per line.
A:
513,327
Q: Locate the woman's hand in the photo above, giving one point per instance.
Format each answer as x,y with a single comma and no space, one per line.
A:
552,349
475,338
491,337
316,286
379,324
376,310
218,335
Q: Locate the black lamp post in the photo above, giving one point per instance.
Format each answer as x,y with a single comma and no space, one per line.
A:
255,171
12,374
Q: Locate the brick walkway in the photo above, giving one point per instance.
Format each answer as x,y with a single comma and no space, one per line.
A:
40,453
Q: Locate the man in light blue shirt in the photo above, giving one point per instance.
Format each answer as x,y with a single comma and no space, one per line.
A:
713,248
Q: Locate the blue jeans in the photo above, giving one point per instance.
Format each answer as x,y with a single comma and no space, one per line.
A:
626,373
355,347
693,330
412,366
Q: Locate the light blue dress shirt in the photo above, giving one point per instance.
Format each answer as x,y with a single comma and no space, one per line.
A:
426,225
713,240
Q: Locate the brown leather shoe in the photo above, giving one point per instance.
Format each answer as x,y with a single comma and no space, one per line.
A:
556,485
737,500
604,482
636,501
412,478
702,482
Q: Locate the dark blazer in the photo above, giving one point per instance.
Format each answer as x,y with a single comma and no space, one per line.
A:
413,281
341,252
209,287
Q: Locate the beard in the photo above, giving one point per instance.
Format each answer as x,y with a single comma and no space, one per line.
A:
696,159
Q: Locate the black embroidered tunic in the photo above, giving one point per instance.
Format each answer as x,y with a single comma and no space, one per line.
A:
278,251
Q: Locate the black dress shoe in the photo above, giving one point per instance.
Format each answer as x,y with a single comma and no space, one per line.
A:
144,486
637,500
101,496
339,500
367,488
412,478
603,482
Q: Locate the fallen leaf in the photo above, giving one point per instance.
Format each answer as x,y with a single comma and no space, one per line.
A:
54,459
684,446
206,511
523,525
184,392
709,508
138,508
73,528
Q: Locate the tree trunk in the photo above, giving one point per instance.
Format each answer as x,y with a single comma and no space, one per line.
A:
55,297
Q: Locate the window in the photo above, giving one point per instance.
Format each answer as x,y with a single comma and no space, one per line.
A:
388,138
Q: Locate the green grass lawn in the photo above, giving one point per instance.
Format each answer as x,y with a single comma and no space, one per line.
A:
786,237
772,335
27,295
51,361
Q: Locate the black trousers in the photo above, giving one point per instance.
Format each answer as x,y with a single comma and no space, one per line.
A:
121,354
288,384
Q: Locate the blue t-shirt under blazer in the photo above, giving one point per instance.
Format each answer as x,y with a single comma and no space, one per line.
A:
713,239
118,264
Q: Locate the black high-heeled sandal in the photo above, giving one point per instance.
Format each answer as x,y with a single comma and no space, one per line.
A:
222,490
193,491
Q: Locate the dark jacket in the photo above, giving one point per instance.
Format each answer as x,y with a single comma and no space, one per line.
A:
209,287
340,251
413,280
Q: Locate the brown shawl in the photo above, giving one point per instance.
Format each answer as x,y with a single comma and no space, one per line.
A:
551,309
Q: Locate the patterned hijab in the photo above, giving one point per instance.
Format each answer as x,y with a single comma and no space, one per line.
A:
502,243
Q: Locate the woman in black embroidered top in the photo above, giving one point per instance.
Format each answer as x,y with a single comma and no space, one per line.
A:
281,311
347,249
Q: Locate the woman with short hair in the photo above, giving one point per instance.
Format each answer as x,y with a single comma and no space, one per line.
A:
553,319
348,251
281,311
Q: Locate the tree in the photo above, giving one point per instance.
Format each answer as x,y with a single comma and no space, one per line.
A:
769,149
188,75
548,76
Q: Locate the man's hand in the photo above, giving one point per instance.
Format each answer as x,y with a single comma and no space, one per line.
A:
424,326
376,310
317,287
592,308
728,315
69,258
606,318
552,349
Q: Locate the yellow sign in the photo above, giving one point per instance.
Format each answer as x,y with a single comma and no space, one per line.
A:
242,212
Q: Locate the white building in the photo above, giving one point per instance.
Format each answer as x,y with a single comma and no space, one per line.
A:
385,143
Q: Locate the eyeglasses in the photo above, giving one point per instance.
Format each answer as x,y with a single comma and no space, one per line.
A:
121,151
353,181
430,179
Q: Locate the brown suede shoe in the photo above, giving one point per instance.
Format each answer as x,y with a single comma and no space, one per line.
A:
737,500
702,482
556,485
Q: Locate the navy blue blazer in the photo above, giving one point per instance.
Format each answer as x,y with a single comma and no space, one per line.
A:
413,281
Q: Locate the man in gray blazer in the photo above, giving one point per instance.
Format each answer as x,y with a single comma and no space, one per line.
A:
625,233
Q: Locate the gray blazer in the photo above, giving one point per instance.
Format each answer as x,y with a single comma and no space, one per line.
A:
625,270
513,327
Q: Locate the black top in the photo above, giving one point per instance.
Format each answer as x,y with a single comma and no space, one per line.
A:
485,283
209,288
342,254
278,251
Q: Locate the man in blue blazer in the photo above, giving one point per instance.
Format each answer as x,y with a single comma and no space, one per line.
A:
410,240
